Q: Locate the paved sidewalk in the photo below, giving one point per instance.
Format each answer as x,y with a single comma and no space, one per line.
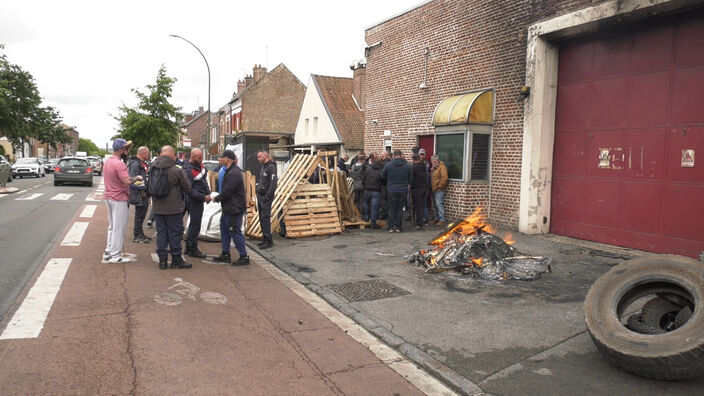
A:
502,338
126,329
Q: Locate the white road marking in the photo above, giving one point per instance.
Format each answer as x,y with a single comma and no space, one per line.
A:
29,197
75,234
88,211
91,198
20,192
29,319
61,197
394,360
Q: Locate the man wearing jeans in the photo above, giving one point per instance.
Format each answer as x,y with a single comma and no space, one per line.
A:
117,191
438,184
234,206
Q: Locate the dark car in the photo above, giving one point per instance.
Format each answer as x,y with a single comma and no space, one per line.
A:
73,170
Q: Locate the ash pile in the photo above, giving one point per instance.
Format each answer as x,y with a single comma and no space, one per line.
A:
469,248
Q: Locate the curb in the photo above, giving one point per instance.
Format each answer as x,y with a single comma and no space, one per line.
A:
413,353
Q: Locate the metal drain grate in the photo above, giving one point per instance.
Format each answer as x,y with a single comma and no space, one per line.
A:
367,290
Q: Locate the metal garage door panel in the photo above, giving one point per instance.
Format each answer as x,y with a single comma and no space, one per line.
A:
567,198
645,154
577,61
639,200
652,48
611,57
682,214
648,99
601,202
690,42
688,95
607,154
684,139
572,107
570,152
608,103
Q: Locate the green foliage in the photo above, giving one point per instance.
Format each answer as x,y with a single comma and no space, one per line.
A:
21,115
155,122
89,147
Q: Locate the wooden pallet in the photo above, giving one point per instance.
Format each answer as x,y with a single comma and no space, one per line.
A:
311,211
299,170
361,224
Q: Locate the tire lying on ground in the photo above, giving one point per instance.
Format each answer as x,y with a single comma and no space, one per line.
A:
670,355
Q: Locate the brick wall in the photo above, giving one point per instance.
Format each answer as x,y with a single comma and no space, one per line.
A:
472,45
273,103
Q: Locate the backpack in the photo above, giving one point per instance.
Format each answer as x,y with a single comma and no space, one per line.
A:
158,182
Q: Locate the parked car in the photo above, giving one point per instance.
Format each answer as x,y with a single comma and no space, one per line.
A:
73,170
51,164
29,166
5,166
97,164
48,166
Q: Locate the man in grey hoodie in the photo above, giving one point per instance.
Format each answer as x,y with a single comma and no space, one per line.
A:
399,176
168,210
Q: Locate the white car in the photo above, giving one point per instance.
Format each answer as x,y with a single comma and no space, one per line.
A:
97,164
28,167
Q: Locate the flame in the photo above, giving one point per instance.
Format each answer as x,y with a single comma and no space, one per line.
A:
478,261
468,226
508,238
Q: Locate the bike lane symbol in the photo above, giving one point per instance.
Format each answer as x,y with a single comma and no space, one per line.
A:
186,290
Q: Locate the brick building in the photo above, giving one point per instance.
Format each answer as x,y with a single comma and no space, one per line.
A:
263,113
554,116
194,129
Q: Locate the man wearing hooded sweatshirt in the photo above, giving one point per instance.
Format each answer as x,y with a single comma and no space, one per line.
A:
399,176
372,190
168,210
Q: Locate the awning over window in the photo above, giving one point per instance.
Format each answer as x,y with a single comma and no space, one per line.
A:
469,108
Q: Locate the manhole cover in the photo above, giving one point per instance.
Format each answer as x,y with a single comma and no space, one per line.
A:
367,290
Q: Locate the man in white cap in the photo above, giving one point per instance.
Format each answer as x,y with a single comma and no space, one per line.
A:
117,191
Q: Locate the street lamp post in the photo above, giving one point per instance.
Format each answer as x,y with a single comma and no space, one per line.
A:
206,149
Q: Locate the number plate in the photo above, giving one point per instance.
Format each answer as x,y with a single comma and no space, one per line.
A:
73,171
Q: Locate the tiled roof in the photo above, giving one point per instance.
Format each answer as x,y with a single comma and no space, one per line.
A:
336,93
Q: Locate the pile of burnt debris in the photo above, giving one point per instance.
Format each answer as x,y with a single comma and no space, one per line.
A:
469,248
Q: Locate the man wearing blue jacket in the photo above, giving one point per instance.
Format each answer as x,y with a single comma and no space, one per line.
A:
199,195
399,176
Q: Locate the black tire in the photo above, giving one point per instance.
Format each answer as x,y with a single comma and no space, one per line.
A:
90,184
671,355
56,183
9,177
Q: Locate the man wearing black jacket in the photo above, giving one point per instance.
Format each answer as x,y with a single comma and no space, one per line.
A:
200,194
137,166
266,188
372,190
234,205
419,188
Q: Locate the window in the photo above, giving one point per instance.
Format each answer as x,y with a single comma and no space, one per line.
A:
315,126
305,127
465,153
450,148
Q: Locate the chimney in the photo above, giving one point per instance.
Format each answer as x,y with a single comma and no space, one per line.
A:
240,86
258,72
248,81
200,109
358,71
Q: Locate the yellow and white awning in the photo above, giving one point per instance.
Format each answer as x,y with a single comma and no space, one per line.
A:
470,108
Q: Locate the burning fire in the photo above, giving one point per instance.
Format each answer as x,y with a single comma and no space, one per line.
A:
468,226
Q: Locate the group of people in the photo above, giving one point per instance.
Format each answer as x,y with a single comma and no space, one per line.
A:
174,189
384,185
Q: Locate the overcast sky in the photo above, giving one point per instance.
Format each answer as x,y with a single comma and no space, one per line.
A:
86,56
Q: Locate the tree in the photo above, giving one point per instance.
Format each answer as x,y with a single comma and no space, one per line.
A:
89,147
154,122
21,115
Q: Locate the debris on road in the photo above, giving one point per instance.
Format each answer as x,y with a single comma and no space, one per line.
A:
470,247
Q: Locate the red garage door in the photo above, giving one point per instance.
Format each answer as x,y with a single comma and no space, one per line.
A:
629,138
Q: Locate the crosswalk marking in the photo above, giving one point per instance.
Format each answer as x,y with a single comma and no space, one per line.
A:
29,197
91,198
88,211
61,197
75,234
29,319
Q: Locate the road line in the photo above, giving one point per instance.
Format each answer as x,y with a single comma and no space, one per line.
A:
88,211
29,319
29,197
20,192
75,234
392,359
61,197
91,198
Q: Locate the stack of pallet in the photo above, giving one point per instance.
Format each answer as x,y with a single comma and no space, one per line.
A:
299,170
310,211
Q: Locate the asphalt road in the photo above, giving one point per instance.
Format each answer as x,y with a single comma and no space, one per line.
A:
30,227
